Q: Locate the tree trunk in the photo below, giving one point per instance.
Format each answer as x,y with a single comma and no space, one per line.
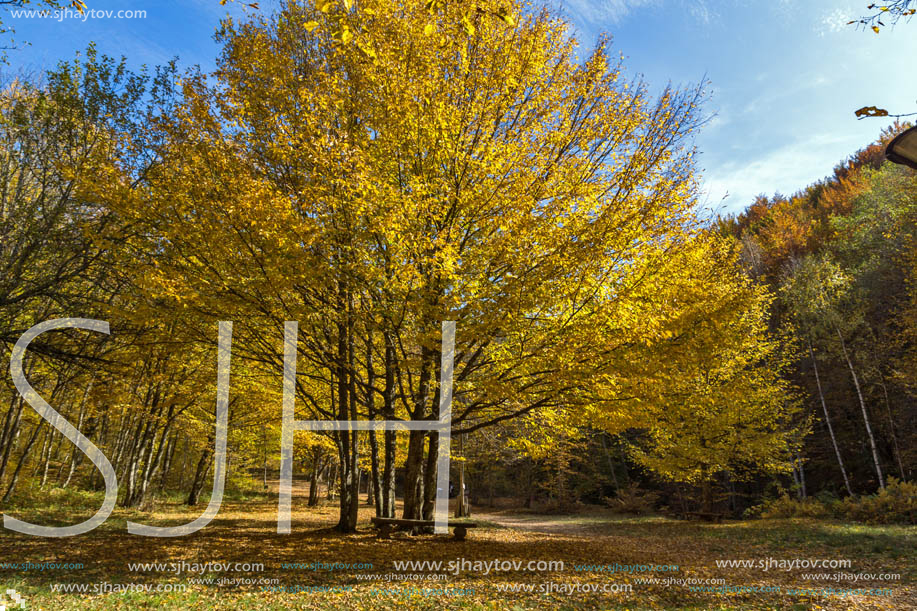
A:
41,453
22,460
706,490
429,475
317,467
332,478
824,407
375,483
167,466
414,468
856,383
891,428
413,477
47,457
153,463
799,475
200,475
76,455
611,465
462,509
354,507
346,440
10,438
388,412
432,466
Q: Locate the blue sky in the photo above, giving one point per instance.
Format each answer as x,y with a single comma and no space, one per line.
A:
785,75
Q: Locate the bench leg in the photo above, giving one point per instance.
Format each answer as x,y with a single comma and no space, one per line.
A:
385,531
460,533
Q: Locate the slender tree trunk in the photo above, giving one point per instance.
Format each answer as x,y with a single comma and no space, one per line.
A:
706,490
354,507
264,455
799,468
733,506
432,466
374,492
462,509
10,439
795,475
46,459
22,461
611,465
891,428
153,463
856,383
200,476
824,407
186,454
429,475
167,465
530,495
317,467
41,454
10,426
346,440
375,475
76,455
332,478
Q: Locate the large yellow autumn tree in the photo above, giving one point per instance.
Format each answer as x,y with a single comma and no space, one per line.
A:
373,168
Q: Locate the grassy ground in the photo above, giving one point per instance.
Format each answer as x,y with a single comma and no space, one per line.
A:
245,532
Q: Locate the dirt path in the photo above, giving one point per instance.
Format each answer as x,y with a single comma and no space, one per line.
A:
553,525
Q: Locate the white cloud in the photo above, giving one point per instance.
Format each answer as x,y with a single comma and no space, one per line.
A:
599,11
613,11
785,170
835,21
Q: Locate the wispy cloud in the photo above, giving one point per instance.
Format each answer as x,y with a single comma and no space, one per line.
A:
604,11
786,169
614,11
835,21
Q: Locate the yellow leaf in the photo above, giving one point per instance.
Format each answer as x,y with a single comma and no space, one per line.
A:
310,25
429,29
366,49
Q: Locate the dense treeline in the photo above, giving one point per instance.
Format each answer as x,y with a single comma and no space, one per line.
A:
373,171
839,259
839,255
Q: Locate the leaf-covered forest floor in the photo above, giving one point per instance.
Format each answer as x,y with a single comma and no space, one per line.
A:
245,532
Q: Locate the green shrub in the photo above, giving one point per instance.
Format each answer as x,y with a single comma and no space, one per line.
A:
29,494
896,504
786,507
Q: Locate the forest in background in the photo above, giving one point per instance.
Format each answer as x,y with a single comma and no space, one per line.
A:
370,171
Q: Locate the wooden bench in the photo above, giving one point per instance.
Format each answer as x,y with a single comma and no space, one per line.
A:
387,525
